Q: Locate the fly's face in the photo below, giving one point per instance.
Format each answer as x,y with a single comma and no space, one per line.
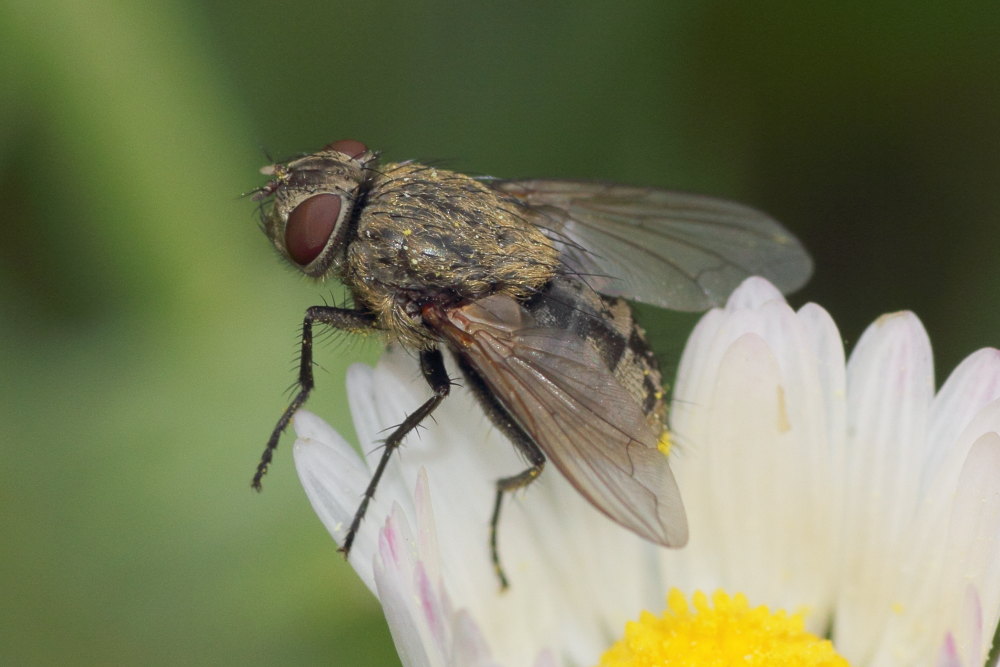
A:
314,200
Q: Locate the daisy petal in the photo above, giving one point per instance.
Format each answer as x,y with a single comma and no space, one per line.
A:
411,611
970,387
890,387
334,479
974,540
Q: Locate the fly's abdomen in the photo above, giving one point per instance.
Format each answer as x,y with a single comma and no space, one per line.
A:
609,325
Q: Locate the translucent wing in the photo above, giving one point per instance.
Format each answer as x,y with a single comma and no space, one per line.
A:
557,388
668,249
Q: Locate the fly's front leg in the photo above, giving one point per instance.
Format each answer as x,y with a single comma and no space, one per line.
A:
338,318
433,370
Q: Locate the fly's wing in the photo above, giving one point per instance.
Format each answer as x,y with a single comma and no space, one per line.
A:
559,391
668,249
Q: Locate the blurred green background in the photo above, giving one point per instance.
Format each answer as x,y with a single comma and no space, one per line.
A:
148,331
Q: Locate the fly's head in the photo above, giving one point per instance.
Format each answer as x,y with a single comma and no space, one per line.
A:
313,200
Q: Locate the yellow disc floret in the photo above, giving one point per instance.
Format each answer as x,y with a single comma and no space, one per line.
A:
723,631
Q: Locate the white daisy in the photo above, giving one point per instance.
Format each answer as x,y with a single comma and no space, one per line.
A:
849,494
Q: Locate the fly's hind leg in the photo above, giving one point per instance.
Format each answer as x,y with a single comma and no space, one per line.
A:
524,444
506,485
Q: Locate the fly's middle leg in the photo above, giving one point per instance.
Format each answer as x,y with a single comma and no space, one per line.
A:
433,370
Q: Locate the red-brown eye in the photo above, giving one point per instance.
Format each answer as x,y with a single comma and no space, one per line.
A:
310,226
351,147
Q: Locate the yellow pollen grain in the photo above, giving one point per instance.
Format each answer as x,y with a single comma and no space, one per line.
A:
665,443
719,633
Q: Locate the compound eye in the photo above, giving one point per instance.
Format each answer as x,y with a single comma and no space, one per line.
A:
349,147
310,226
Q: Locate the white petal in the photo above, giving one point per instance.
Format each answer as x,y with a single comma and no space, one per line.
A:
953,652
970,629
380,400
822,335
747,441
974,540
546,659
413,614
753,293
958,417
334,478
424,624
973,384
363,402
890,387
759,398
469,647
426,629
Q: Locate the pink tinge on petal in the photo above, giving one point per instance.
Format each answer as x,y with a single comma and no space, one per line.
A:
389,538
948,653
417,606
546,659
962,645
468,644
429,604
393,585
411,608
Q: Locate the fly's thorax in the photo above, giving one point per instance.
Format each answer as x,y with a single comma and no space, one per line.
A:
428,234
609,325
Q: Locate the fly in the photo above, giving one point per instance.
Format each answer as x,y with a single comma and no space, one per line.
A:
526,283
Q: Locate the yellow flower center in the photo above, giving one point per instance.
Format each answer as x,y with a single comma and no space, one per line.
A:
731,633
